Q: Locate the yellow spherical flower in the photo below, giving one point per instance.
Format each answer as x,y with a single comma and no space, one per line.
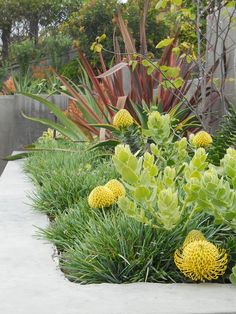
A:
49,134
122,119
201,260
193,235
116,187
101,197
201,139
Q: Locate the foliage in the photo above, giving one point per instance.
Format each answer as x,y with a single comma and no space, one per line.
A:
11,10
23,53
57,47
233,276
166,183
224,138
95,18
3,73
70,70
25,84
66,127
9,86
63,181
165,84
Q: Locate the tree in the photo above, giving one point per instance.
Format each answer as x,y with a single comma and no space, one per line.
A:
43,12
96,18
10,11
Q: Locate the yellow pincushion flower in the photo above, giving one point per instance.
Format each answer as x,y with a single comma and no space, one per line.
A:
201,260
192,236
116,187
101,197
201,139
122,119
49,134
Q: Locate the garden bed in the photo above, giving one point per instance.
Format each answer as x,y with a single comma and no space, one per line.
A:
31,282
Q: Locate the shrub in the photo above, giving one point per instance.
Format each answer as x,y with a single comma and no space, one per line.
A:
23,53
224,138
70,70
57,48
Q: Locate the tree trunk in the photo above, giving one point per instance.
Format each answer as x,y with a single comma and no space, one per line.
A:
6,34
34,29
142,26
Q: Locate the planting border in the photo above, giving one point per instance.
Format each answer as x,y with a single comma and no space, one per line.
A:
31,283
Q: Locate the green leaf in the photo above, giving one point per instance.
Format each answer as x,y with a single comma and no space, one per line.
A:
146,63
109,143
17,156
142,193
105,126
230,4
178,82
59,114
56,126
177,2
161,4
232,278
150,70
141,114
165,42
234,271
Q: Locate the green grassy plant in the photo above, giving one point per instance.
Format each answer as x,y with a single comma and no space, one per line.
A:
98,247
63,178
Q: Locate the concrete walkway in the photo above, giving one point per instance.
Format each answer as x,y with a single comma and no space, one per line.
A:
30,283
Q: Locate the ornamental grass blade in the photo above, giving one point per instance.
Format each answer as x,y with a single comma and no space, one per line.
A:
82,100
95,82
108,143
141,114
121,102
105,126
113,70
60,128
67,123
16,156
129,44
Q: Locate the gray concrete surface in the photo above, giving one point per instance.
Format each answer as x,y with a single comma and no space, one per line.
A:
30,282
15,130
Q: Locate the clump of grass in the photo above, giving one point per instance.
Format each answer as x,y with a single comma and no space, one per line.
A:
98,246
64,179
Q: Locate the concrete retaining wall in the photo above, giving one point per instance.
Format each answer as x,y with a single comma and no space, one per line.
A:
15,130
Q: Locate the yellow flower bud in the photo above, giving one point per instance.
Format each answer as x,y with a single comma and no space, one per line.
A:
116,187
122,119
201,139
193,235
101,197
